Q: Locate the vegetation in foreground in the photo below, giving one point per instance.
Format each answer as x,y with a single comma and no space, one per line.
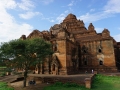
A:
2,71
66,86
100,82
4,86
24,54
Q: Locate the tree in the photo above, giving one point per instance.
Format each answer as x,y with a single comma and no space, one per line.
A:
25,53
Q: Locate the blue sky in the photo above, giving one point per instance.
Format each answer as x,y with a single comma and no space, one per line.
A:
18,17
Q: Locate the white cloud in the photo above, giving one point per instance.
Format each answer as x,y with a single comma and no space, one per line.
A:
9,28
8,5
92,10
99,30
112,7
62,16
93,17
71,3
52,20
46,2
67,11
29,15
26,5
117,37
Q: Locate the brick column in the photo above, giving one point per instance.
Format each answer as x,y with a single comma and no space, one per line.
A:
95,72
88,83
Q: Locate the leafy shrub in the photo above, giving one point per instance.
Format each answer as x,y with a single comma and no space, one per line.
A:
58,84
2,74
70,85
4,86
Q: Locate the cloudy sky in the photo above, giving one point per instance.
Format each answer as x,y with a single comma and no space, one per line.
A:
18,17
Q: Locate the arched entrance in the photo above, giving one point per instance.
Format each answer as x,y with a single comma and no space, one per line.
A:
54,65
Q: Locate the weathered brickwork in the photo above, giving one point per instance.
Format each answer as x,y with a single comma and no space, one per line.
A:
78,49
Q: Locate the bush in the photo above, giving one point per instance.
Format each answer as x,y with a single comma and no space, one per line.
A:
4,86
2,74
70,85
59,84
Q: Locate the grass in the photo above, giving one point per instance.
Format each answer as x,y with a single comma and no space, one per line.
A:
66,86
4,86
100,82
2,66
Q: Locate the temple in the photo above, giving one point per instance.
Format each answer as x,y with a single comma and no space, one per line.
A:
78,49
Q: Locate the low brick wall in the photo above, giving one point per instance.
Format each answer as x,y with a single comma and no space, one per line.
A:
88,81
82,79
52,80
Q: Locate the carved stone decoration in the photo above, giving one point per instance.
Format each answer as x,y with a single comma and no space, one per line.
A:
55,46
85,60
55,29
35,34
70,17
91,27
100,58
105,33
23,37
74,58
55,65
84,49
99,49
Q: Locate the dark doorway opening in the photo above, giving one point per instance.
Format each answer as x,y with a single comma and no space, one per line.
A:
100,62
85,62
99,50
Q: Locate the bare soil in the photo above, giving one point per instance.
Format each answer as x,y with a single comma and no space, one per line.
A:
19,86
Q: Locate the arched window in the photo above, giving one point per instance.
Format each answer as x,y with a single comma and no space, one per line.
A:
55,46
53,67
85,60
100,50
100,62
85,51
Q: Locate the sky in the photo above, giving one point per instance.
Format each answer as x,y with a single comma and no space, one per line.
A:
18,17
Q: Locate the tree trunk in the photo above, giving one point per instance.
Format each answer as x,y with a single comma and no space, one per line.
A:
25,78
38,68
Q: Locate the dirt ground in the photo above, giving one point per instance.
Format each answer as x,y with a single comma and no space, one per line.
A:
19,86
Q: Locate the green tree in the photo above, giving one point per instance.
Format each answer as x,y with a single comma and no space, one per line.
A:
25,53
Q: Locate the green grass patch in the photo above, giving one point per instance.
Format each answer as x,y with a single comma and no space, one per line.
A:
4,86
65,86
3,67
2,74
100,82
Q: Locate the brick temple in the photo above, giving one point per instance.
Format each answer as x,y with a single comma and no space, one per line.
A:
78,49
